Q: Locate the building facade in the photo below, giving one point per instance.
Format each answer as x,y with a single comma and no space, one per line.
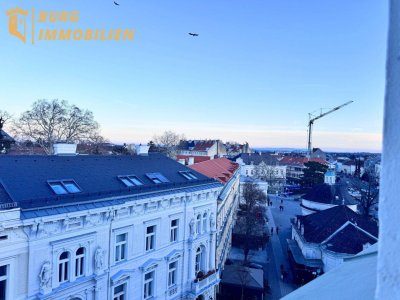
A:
265,167
87,227
228,173
321,241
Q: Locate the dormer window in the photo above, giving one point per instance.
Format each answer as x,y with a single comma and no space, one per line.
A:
58,188
130,180
188,175
71,187
157,178
62,187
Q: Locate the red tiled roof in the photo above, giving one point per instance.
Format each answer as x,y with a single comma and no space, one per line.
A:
221,169
203,145
197,159
298,160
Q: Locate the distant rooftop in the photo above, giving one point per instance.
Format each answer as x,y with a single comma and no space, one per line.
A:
336,227
221,169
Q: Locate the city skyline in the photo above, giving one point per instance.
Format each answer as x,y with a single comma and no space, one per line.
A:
253,74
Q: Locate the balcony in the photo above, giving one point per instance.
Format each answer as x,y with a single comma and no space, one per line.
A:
172,291
202,284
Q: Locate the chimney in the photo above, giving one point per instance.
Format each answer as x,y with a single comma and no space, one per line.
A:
64,149
142,149
191,161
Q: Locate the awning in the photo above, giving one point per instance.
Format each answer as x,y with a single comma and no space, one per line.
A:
299,257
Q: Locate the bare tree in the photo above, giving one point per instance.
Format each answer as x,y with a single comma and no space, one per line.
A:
168,142
269,173
368,193
4,118
243,275
250,220
52,121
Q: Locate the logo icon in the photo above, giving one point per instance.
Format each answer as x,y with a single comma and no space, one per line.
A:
17,22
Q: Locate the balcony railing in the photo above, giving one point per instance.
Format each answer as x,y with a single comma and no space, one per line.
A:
210,279
172,290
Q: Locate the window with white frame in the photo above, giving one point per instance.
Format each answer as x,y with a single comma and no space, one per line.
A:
172,273
3,281
198,260
120,247
80,262
198,224
205,222
150,237
120,292
148,288
174,230
63,267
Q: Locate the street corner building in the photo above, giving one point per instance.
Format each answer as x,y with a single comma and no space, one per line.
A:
106,227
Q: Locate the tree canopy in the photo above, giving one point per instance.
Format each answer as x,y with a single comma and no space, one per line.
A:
166,143
51,121
313,174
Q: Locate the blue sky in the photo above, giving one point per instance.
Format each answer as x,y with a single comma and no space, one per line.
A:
254,73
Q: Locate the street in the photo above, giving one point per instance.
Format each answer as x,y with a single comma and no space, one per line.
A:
275,254
277,247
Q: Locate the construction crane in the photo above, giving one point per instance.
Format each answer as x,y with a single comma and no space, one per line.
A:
314,118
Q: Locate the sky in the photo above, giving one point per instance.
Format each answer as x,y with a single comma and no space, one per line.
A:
256,70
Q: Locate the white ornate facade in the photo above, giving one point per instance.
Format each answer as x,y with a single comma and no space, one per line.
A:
146,246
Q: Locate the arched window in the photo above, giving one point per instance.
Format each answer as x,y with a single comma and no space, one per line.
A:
80,262
205,222
199,260
198,224
63,267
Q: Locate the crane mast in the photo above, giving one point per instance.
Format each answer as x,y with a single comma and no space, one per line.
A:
314,118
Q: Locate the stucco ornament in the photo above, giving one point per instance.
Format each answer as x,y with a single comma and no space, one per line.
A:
45,275
212,220
191,226
99,258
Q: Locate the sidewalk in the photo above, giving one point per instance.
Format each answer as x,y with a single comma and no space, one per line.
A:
280,257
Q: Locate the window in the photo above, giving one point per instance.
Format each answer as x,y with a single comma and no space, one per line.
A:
174,231
62,187
3,282
172,273
150,237
198,261
148,285
198,224
157,178
71,187
80,262
188,175
120,247
63,267
205,222
119,292
58,188
130,180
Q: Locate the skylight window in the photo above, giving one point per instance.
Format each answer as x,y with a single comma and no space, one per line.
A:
188,175
58,188
63,187
130,180
71,187
157,177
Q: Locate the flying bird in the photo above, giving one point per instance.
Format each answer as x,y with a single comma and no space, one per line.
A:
193,34
116,3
